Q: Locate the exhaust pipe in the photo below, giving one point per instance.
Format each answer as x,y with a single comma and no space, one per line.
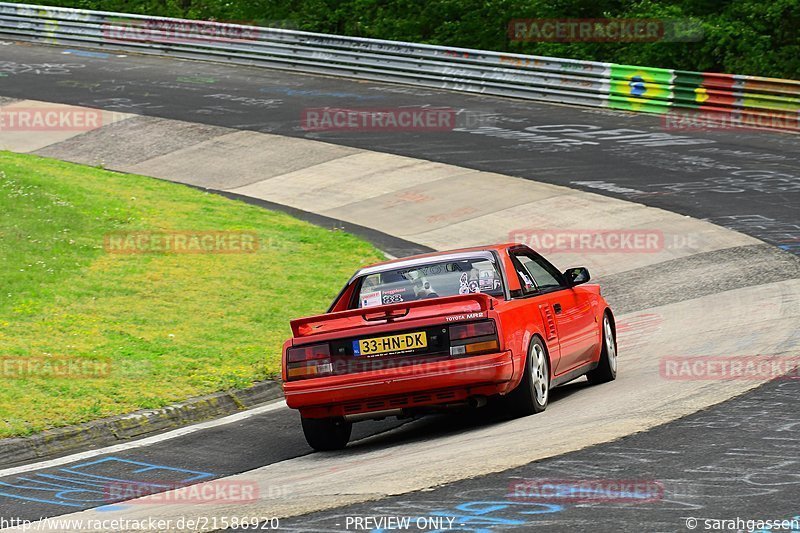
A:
477,401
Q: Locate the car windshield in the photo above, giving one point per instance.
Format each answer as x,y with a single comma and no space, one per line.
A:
431,280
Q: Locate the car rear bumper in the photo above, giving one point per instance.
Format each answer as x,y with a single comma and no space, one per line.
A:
445,381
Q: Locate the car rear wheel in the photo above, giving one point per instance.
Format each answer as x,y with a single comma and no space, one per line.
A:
533,392
607,368
326,434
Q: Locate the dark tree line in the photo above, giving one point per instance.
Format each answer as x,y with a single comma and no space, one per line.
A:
736,36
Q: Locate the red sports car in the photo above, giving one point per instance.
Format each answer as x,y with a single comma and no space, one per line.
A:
446,329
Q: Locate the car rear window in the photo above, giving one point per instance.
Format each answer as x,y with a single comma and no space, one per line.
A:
432,280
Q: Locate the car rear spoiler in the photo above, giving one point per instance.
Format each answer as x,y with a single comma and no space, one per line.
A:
305,327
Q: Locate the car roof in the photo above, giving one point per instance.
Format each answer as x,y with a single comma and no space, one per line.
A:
432,255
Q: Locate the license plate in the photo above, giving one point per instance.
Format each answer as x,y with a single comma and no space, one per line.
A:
390,344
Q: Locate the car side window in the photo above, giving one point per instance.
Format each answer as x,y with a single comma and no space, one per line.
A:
544,276
525,278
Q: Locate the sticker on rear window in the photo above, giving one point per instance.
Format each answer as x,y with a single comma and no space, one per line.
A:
393,296
371,299
467,285
463,288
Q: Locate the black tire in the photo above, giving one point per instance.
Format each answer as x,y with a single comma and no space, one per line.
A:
524,400
326,434
607,367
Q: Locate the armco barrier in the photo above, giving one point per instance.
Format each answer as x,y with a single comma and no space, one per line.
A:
751,100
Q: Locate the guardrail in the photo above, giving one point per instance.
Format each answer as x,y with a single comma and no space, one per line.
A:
748,101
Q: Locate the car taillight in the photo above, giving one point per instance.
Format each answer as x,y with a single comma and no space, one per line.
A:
476,329
308,361
473,339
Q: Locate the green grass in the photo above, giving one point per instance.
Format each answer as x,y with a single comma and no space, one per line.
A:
171,326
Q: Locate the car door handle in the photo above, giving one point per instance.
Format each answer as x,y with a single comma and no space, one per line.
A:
557,308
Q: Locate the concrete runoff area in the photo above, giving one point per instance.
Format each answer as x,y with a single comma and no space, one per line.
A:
131,141
238,157
31,125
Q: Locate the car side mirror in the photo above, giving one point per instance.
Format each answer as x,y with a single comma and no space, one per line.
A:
577,275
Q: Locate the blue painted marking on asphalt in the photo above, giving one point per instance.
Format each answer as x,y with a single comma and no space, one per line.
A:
68,490
85,53
82,484
69,479
477,516
113,507
146,467
30,499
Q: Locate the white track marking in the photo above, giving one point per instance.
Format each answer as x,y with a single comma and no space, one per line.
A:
144,442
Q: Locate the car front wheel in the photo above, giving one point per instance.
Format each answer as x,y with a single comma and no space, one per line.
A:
607,368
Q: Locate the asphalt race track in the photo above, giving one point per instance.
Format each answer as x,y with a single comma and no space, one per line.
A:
735,459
